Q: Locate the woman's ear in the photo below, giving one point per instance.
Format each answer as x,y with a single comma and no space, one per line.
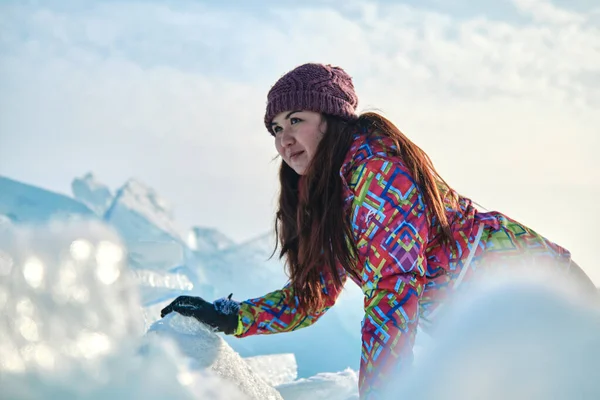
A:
323,125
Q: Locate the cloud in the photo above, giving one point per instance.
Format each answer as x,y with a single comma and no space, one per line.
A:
545,12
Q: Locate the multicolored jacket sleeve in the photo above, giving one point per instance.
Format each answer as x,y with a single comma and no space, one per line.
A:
391,229
278,311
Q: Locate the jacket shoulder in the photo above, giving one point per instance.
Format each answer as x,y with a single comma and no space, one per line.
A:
367,147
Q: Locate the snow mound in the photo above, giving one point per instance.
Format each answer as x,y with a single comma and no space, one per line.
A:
92,193
70,323
275,369
51,280
209,351
324,386
531,339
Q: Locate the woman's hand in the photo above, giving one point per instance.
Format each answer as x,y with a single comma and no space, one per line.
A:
223,319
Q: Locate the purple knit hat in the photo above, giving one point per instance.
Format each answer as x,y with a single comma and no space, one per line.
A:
313,87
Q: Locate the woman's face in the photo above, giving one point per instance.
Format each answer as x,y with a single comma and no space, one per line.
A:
297,135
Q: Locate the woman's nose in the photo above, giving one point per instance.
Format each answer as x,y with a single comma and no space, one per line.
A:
287,138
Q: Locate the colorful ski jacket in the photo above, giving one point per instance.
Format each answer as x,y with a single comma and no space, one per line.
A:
405,271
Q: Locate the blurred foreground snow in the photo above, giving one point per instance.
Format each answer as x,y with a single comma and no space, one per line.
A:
327,386
71,325
210,352
532,338
80,307
275,369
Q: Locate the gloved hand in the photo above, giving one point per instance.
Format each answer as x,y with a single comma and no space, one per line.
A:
222,315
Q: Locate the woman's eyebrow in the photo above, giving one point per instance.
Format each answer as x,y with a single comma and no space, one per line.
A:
292,112
287,116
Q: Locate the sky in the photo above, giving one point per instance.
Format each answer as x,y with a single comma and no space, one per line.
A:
504,96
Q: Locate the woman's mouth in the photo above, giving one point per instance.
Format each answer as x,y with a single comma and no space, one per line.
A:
296,154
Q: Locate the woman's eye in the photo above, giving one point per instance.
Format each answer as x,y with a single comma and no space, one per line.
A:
276,129
294,120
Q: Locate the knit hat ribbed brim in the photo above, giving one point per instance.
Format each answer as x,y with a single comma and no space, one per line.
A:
313,87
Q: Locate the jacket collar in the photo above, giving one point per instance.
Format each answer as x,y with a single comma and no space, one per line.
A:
366,143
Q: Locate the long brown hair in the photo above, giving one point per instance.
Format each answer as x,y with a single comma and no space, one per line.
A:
312,227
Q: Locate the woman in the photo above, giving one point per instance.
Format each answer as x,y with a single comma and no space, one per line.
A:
358,199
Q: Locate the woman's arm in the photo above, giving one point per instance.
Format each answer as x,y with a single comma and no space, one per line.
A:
279,311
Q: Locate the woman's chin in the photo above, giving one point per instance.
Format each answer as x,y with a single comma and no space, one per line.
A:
299,168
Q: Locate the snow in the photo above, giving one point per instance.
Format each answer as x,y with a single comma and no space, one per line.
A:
275,369
536,338
209,351
330,386
157,266
80,301
216,266
70,325
64,296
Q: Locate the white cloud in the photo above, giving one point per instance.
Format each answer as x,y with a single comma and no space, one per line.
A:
545,12
173,93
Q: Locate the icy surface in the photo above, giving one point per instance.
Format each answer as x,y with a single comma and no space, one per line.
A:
209,350
246,271
25,203
255,250
275,369
163,270
92,193
140,214
207,240
165,266
156,255
155,286
324,386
